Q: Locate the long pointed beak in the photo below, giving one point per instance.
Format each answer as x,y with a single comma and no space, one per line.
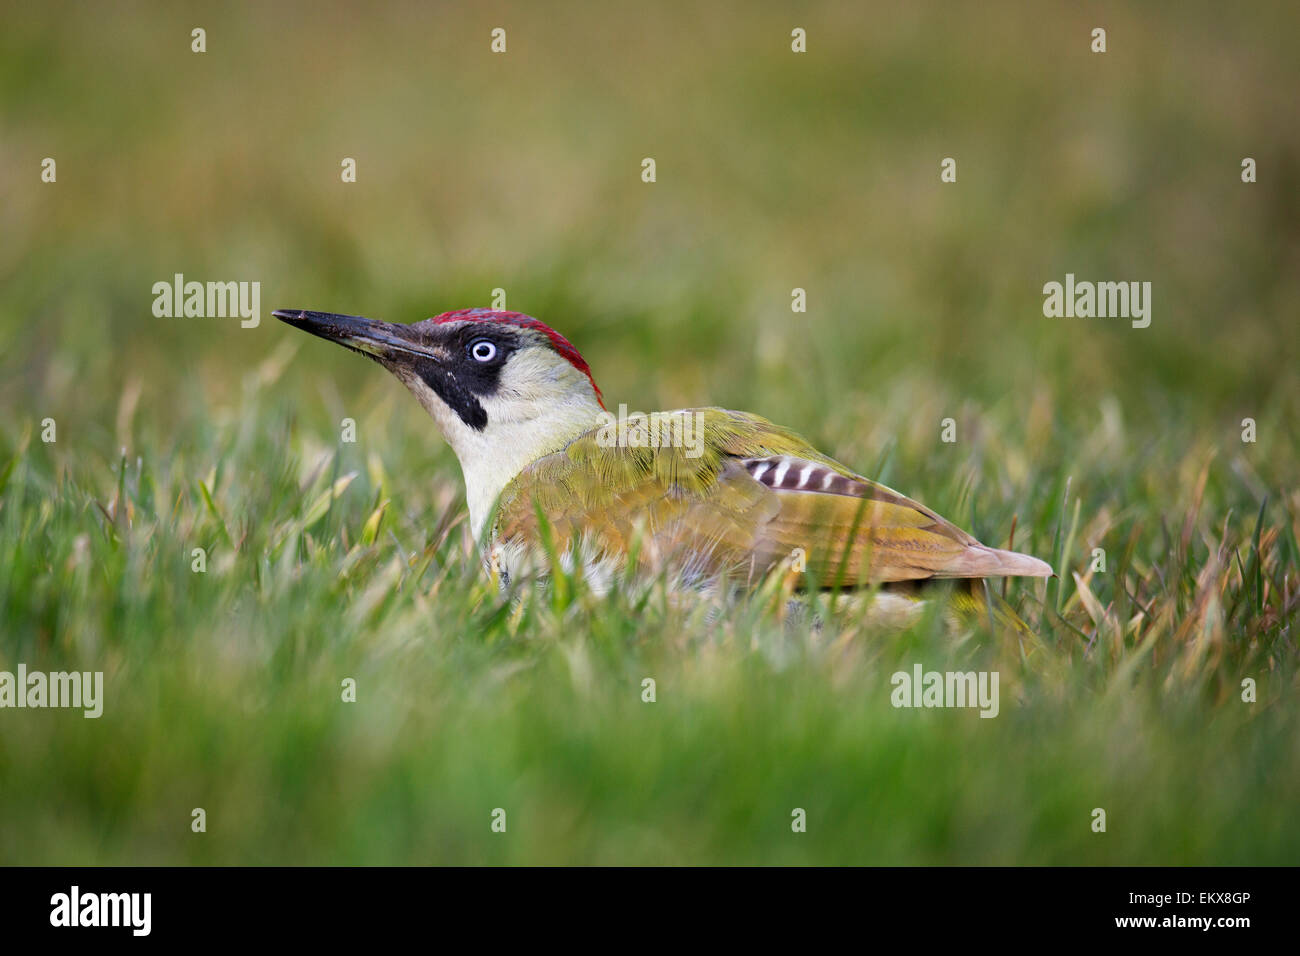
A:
369,336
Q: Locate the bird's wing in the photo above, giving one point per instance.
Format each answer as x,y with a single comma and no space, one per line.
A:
747,498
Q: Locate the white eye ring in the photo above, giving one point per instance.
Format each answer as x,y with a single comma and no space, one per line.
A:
483,351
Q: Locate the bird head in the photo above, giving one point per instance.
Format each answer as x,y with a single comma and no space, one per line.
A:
504,388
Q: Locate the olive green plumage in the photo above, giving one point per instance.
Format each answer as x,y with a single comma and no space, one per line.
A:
708,514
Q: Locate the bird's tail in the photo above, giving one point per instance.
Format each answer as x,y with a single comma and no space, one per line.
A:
979,561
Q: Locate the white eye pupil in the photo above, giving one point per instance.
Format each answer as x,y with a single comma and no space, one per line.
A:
483,351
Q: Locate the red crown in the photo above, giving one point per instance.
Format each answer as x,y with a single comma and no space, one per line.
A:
558,342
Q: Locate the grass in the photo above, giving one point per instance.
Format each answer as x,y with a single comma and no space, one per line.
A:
328,560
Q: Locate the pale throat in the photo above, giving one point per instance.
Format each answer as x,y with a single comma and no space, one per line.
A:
518,433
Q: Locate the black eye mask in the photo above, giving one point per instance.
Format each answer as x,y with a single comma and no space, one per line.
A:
463,380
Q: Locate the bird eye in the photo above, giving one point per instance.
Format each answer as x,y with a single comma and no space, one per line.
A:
483,350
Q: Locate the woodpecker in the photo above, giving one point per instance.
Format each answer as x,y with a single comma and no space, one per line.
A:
546,474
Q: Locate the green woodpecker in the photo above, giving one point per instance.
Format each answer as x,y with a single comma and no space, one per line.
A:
705,494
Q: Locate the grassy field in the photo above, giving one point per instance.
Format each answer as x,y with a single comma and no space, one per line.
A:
328,560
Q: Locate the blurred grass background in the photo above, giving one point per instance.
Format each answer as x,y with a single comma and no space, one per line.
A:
522,171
